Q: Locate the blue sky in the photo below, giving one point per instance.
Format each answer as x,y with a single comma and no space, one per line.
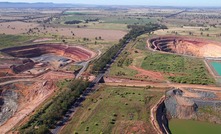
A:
133,2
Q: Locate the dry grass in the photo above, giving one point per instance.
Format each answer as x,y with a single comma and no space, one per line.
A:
16,27
109,35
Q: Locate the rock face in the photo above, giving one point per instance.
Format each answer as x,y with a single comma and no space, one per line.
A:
186,46
74,52
202,105
8,105
179,107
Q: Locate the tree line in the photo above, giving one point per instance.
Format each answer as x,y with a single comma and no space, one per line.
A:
135,31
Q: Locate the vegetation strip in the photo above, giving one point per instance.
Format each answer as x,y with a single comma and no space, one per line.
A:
136,30
47,117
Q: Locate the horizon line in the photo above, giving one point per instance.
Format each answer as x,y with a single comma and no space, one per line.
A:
113,4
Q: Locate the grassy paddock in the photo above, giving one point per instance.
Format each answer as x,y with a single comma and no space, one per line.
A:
110,107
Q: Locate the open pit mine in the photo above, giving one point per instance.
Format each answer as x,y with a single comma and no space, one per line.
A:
186,46
28,76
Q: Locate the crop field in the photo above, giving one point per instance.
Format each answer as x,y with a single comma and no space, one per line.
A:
114,110
193,127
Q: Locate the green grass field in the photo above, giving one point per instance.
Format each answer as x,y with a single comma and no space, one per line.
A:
13,40
113,110
181,69
193,127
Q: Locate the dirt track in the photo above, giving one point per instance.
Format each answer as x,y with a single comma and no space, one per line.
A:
151,74
126,82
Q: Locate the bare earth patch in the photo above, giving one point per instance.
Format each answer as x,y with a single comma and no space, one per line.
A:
33,95
151,74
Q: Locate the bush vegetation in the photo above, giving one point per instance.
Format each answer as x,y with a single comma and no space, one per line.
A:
184,69
73,22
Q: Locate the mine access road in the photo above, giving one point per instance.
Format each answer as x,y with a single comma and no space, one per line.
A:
70,113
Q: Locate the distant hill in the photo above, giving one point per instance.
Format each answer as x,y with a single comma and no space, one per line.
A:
33,5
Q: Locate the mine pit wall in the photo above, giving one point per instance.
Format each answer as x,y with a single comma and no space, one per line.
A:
172,45
161,118
182,107
13,66
8,104
76,53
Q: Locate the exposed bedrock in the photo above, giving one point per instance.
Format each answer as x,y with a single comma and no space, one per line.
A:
186,46
73,52
8,104
186,104
179,107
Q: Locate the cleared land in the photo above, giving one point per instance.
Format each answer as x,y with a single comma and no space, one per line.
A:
29,75
114,110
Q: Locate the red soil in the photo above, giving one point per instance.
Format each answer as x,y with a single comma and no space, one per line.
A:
151,74
34,94
76,53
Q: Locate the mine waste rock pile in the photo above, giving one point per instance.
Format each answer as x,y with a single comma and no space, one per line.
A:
8,103
198,104
179,107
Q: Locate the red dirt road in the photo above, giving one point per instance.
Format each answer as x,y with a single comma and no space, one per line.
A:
137,83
